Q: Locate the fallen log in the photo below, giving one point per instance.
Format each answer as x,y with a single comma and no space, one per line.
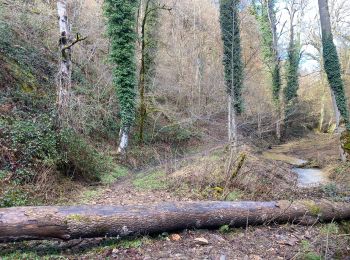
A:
69,222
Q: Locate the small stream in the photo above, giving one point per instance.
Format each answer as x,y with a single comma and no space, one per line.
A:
307,177
310,177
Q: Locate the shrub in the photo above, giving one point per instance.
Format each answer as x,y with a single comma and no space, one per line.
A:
13,198
79,157
176,134
33,139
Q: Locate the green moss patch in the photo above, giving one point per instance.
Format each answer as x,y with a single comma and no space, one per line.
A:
152,181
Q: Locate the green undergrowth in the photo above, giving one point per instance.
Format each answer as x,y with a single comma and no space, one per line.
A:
90,194
121,244
307,253
152,181
117,172
14,197
49,249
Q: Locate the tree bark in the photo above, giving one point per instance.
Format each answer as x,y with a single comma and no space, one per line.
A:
142,110
273,27
69,222
325,18
233,138
327,34
123,139
336,112
65,70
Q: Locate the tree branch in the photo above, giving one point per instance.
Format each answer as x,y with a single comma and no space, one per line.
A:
78,39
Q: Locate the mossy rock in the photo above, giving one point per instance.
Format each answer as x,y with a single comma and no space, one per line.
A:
345,141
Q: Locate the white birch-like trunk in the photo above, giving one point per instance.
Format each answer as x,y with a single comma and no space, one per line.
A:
233,138
124,139
65,69
278,127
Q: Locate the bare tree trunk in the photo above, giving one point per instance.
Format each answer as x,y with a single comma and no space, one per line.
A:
233,138
232,112
65,70
123,139
259,125
143,109
278,123
322,112
336,112
323,100
69,222
272,19
229,111
324,18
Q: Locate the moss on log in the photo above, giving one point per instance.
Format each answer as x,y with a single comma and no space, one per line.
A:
69,222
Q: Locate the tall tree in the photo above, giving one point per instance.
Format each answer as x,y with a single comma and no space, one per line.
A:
265,13
65,70
333,71
232,60
66,42
148,20
121,28
295,11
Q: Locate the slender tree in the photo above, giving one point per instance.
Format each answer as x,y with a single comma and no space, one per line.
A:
65,72
295,10
265,13
148,19
232,60
66,42
121,28
333,71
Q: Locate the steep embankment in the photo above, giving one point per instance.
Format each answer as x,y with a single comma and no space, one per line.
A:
38,162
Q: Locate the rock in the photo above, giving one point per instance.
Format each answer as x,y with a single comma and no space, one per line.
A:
201,241
255,257
307,235
271,250
115,251
218,238
222,257
288,242
175,237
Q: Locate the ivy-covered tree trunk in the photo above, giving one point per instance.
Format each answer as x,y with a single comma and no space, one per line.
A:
332,68
276,71
65,69
121,16
292,65
232,61
266,15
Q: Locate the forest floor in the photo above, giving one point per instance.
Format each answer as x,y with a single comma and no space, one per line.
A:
320,241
